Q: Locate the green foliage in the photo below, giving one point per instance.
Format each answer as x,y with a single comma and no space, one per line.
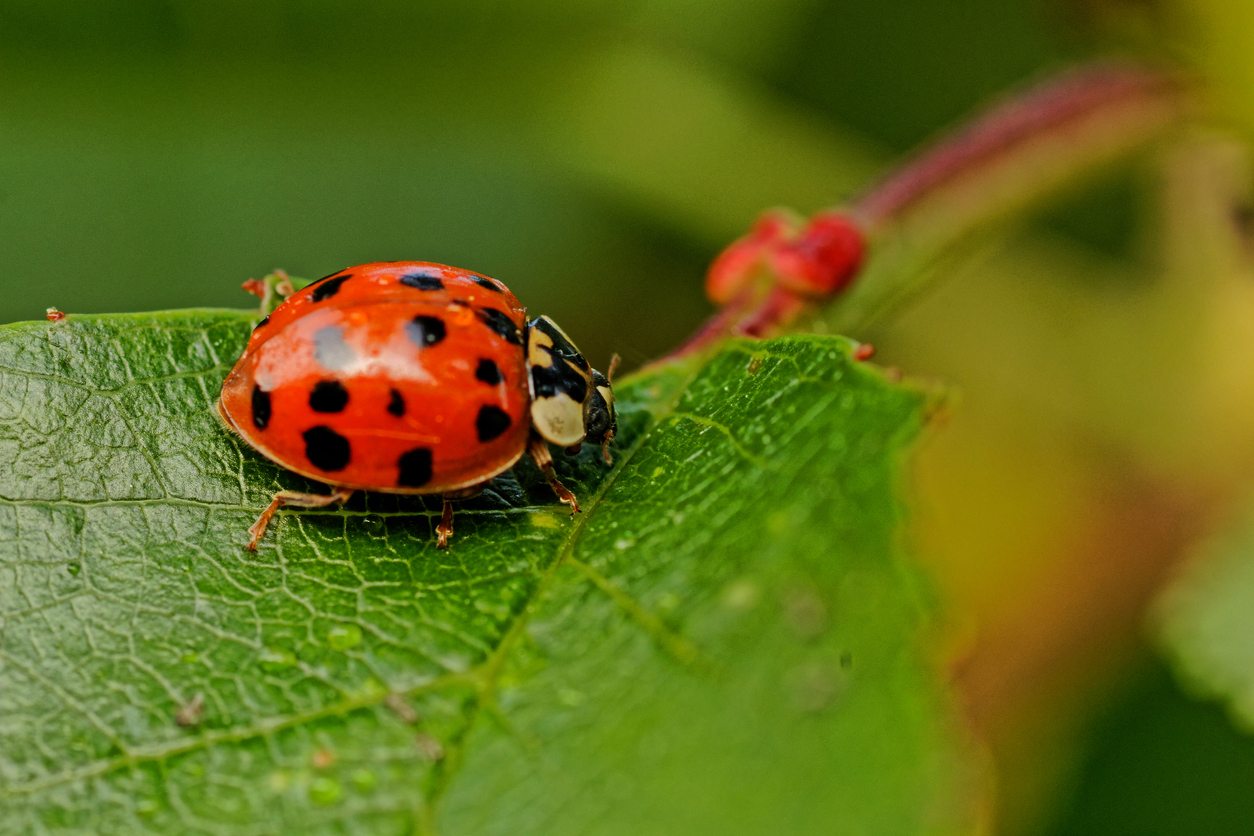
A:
592,156
726,640
1161,763
1208,625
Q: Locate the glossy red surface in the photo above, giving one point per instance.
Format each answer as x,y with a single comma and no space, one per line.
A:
358,339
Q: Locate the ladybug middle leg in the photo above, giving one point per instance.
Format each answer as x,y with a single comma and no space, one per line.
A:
299,500
444,530
539,452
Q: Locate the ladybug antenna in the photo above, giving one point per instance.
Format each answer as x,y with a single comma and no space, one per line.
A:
614,361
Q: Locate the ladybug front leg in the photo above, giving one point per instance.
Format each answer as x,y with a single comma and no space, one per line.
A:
539,452
300,500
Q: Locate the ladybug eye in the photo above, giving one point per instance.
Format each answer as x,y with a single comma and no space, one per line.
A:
599,420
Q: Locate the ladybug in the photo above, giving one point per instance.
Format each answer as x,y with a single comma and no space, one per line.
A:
411,378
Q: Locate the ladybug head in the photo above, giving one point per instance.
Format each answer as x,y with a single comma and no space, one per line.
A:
570,402
599,420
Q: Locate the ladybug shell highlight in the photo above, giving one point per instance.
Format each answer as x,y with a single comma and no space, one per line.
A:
401,377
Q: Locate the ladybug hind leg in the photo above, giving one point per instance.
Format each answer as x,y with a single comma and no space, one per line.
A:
539,452
298,500
444,531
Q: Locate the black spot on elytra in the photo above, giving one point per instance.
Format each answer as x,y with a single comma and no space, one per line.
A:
396,405
500,322
487,283
491,422
261,407
415,468
488,372
330,350
422,281
324,278
265,320
326,288
326,449
425,331
328,396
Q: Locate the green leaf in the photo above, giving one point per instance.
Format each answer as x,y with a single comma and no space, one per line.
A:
729,639
1207,622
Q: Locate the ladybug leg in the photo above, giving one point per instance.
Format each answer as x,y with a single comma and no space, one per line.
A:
444,530
300,500
539,452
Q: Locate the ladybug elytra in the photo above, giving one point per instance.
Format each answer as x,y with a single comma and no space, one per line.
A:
411,378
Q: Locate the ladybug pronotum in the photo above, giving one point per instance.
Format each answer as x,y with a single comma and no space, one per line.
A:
412,378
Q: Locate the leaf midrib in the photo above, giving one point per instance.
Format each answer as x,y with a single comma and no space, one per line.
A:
492,666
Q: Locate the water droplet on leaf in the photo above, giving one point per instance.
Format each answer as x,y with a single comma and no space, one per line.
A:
344,636
325,791
271,658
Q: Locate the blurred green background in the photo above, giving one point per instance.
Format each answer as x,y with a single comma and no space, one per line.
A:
595,156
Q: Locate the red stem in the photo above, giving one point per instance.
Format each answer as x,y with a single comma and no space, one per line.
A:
1055,103
1054,108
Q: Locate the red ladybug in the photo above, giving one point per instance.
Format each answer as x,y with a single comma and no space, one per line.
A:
413,378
